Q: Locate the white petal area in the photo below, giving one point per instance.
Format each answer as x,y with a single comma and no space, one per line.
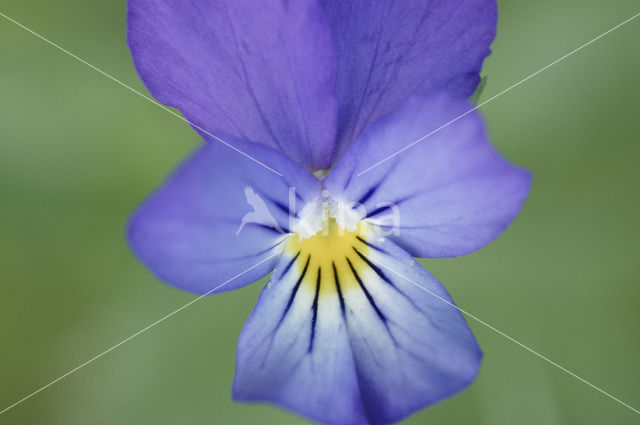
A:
279,360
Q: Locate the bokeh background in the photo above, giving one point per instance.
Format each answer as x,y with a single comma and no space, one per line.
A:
79,152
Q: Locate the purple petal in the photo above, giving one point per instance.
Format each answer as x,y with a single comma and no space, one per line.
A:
221,216
383,346
389,50
259,71
453,192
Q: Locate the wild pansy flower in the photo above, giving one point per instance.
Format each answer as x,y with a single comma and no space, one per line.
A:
349,329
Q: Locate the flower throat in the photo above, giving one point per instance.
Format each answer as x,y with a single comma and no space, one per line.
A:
333,260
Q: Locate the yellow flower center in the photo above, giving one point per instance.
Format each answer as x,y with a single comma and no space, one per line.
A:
331,260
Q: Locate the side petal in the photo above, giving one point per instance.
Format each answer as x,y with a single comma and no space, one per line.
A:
219,217
389,50
259,71
447,195
353,343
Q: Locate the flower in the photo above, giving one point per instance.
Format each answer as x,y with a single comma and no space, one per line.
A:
349,329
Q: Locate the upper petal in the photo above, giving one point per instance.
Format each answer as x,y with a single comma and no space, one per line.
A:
261,71
220,218
367,337
388,50
446,195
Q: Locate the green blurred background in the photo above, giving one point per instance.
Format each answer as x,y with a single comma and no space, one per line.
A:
79,152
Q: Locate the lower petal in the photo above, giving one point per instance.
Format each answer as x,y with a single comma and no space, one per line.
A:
356,335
